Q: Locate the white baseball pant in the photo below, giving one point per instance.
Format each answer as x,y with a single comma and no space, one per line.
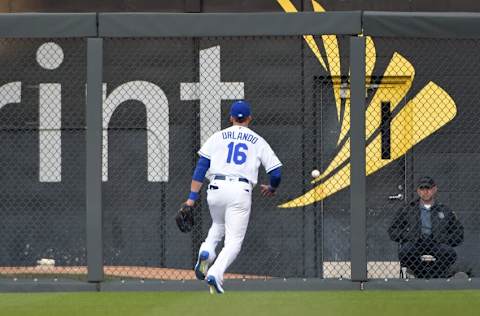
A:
230,202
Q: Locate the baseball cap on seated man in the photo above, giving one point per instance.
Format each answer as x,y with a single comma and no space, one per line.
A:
240,109
426,183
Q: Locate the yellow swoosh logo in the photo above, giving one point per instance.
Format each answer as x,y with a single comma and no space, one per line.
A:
422,116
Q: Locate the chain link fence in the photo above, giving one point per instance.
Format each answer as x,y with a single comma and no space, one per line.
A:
191,83
420,121
164,96
42,127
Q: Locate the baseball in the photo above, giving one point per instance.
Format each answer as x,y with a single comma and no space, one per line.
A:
315,173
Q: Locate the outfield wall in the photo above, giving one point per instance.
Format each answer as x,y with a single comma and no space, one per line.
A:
93,180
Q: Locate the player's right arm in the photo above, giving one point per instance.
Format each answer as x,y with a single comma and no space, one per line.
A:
273,167
275,179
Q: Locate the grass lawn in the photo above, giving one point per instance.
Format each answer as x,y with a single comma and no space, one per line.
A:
368,303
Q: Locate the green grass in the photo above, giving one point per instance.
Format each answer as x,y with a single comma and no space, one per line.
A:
368,303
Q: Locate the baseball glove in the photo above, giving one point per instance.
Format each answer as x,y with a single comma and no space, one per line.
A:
184,218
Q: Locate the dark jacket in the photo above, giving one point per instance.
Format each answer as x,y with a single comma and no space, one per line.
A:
407,225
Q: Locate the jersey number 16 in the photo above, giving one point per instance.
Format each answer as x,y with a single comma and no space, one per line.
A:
237,152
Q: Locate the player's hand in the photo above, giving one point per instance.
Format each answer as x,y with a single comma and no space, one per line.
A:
267,190
190,202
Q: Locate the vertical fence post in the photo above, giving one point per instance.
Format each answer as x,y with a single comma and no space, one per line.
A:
94,159
358,233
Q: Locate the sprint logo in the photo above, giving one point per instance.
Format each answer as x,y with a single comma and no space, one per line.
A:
424,114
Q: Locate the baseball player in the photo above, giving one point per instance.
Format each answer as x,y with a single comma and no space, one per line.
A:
232,156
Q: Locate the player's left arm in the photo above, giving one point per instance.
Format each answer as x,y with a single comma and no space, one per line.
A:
203,164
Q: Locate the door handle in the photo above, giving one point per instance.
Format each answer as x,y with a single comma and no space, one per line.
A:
399,196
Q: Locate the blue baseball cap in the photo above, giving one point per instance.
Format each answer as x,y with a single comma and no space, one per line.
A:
240,109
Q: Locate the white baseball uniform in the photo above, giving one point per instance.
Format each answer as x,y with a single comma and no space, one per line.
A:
235,155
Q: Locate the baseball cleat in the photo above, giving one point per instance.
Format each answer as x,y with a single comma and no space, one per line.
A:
214,286
201,266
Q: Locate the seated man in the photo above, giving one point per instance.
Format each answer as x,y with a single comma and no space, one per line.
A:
427,232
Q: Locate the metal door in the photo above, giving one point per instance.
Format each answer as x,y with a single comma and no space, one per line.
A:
388,181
